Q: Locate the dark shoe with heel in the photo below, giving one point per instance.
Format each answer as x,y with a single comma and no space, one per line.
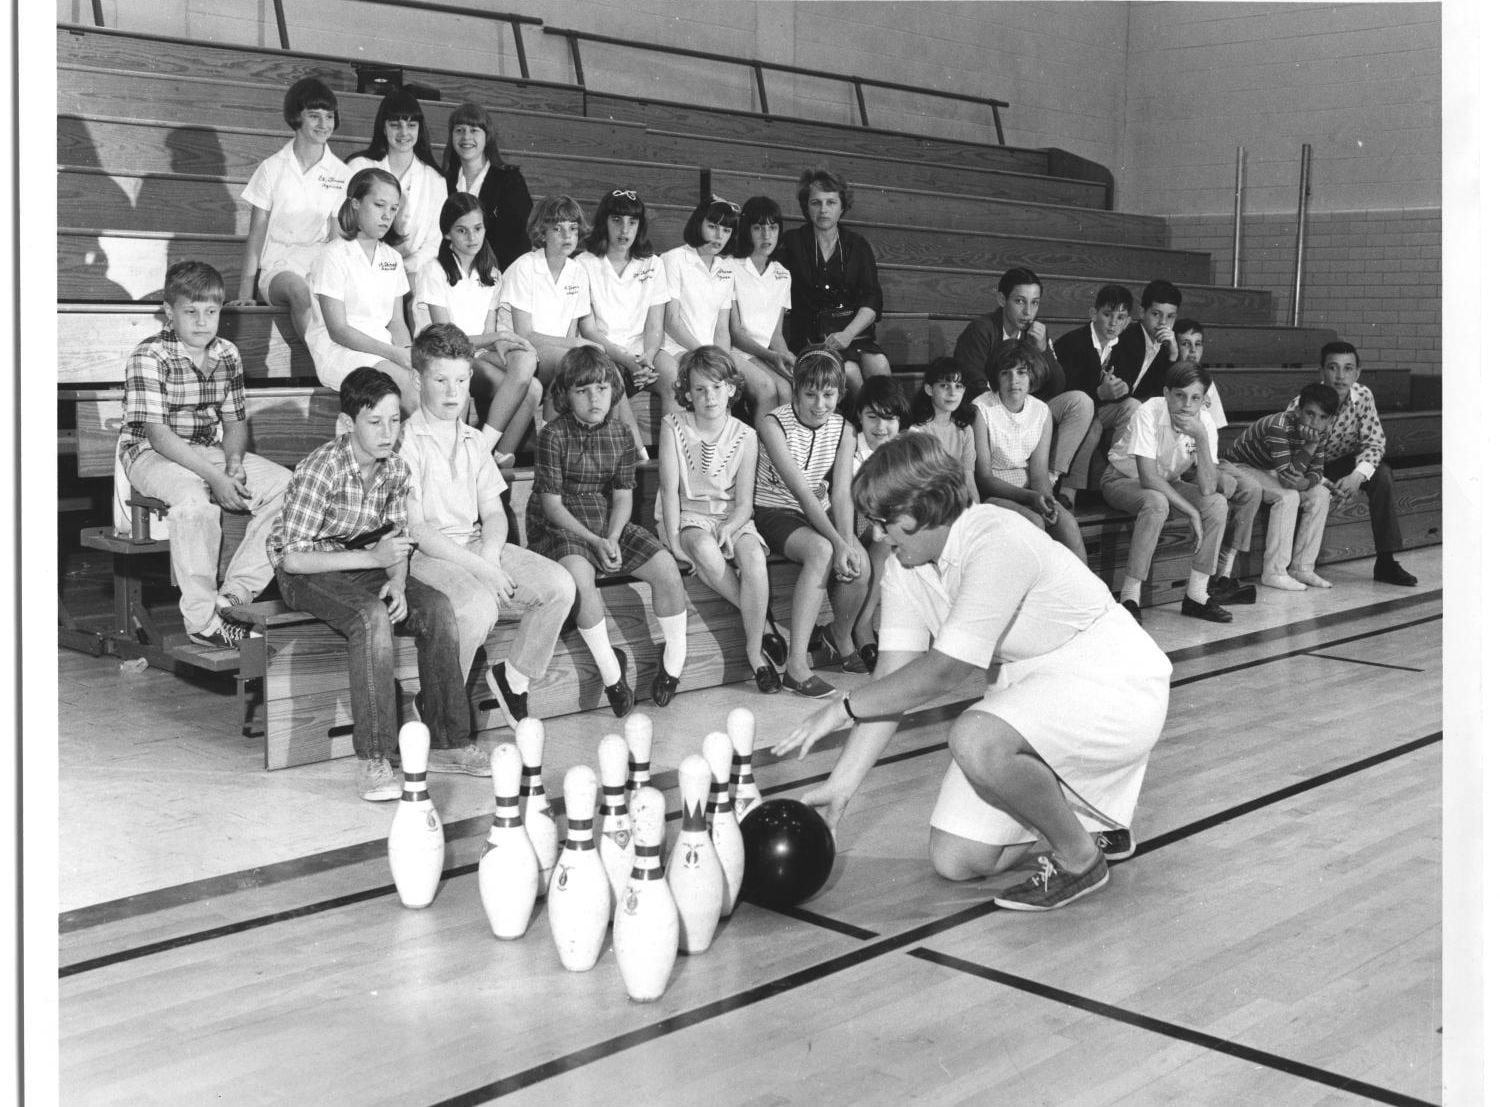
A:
1209,610
664,687
621,698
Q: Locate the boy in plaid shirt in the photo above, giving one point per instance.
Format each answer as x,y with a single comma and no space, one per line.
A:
183,439
340,550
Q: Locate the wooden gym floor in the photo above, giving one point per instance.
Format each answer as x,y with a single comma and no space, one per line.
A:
1276,939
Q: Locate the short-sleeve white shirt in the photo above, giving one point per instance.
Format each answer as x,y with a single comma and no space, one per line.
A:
1012,436
554,305
367,287
1001,590
701,290
423,191
761,297
451,486
299,203
468,303
623,300
1150,434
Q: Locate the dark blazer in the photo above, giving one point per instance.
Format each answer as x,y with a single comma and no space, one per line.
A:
1128,354
975,350
507,205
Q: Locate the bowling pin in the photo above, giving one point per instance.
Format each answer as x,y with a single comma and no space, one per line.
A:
638,731
747,796
646,918
615,848
415,847
508,871
579,899
530,738
694,873
723,827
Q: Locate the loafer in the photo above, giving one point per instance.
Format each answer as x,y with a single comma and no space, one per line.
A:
814,687
1132,607
1231,590
774,646
767,680
869,653
1392,573
664,687
621,698
1209,611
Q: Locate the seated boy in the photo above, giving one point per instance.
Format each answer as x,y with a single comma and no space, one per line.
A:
340,551
1283,453
1169,440
455,516
1355,449
1020,300
1148,347
1087,355
183,439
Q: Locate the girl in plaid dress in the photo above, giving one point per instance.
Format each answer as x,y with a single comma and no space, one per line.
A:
579,515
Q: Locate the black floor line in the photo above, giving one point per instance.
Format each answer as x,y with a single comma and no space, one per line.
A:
371,849
1173,1030
1366,661
1304,650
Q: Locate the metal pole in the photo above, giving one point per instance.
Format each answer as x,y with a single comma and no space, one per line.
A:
286,42
515,27
1239,210
98,13
1304,190
859,92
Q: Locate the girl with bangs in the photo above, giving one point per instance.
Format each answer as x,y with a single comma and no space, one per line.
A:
400,146
472,164
462,286
547,289
700,283
762,296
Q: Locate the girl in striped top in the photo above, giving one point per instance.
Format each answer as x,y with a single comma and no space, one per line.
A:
804,511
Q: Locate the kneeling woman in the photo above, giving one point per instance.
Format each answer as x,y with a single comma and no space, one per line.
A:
1057,746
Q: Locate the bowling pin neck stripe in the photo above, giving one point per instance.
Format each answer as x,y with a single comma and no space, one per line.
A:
508,820
580,834
648,864
613,802
531,782
414,797
718,798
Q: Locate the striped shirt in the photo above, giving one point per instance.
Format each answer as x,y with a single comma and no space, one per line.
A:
813,450
1354,428
162,385
1280,445
327,504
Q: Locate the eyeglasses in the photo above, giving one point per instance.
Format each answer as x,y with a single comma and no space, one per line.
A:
628,193
730,204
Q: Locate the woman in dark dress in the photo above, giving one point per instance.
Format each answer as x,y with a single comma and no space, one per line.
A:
836,295
472,164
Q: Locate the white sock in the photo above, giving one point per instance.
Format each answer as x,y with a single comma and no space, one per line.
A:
1131,590
491,436
1197,586
1226,563
1052,475
674,635
518,681
596,638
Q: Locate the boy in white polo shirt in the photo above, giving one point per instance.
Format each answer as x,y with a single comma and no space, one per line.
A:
455,516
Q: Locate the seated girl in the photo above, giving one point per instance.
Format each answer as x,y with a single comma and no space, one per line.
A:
941,410
762,295
700,285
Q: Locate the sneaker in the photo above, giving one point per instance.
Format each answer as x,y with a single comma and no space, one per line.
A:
1132,607
1389,571
227,635
1231,590
513,705
664,687
814,687
1116,845
1309,578
374,780
1051,887
468,759
1283,582
1209,610
621,698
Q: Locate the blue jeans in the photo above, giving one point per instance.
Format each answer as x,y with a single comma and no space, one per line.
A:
349,602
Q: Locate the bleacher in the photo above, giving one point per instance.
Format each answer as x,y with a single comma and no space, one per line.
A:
156,143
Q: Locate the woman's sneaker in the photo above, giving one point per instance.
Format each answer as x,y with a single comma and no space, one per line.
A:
375,781
1050,887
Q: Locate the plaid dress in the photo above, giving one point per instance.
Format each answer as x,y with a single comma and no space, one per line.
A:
585,465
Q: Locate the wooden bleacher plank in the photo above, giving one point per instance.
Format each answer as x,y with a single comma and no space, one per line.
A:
100,48
286,424
907,207
239,104
721,152
810,134
1248,390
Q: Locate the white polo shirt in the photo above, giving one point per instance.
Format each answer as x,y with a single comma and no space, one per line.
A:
423,191
450,485
299,203
368,287
554,305
761,297
468,303
623,300
1001,590
701,290
1151,434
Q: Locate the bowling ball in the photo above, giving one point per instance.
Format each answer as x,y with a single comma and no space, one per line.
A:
788,853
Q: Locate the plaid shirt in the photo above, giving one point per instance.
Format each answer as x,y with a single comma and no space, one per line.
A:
1355,428
326,503
162,385
1279,444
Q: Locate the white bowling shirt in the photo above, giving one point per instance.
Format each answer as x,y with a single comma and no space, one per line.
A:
554,305
623,300
367,287
423,192
468,303
761,297
701,290
299,203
